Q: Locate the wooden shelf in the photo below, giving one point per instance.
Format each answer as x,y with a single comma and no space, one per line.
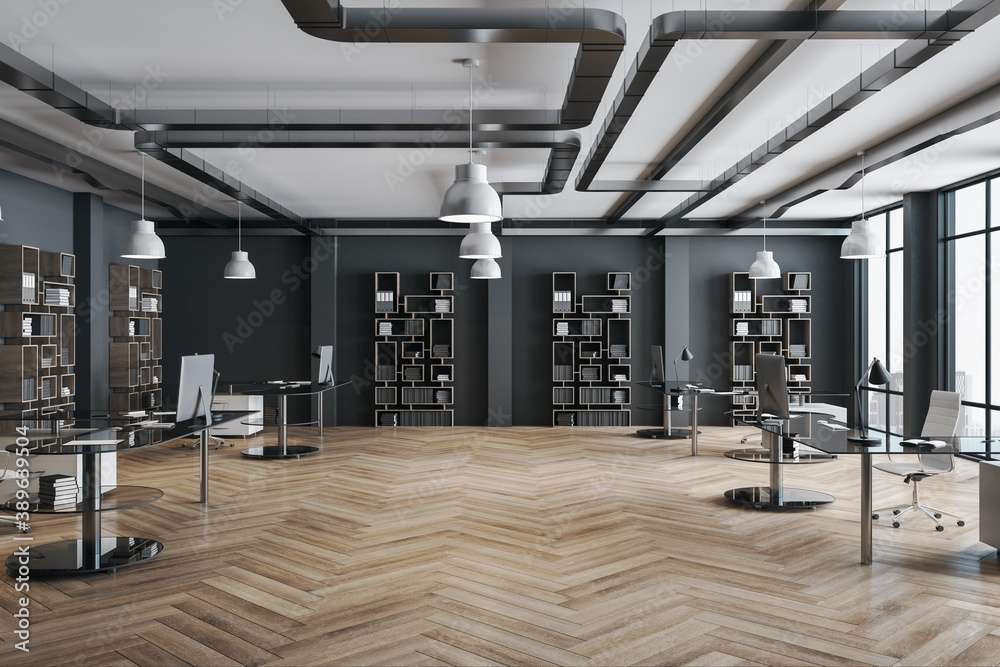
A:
592,340
39,334
136,331
412,385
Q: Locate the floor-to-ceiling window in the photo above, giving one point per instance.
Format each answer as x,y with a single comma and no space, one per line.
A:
885,322
971,240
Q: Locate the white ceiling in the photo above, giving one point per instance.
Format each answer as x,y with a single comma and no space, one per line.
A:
254,57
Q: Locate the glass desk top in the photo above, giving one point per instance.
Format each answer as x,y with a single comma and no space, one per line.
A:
826,434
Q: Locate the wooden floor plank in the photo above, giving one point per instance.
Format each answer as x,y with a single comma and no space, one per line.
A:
515,546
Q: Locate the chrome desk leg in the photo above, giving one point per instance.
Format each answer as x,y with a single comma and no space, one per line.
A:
283,424
866,508
694,423
774,447
90,533
319,412
206,440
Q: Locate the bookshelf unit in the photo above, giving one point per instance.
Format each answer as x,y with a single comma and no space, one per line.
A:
591,348
414,352
765,318
38,332
136,330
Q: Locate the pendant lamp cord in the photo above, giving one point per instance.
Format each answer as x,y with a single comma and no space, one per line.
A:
239,224
862,153
764,204
470,115
142,186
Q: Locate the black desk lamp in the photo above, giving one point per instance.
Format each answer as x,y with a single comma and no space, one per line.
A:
877,375
685,355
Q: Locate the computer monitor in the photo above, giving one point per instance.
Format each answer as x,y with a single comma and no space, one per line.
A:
196,387
772,386
656,375
324,373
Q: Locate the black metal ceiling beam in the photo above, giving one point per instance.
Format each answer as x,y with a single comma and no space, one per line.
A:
599,33
564,148
942,30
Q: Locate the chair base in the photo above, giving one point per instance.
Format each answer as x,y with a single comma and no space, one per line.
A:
934,513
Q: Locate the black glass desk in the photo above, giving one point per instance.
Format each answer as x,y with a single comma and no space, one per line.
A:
827,435
672,391
283,450
92,552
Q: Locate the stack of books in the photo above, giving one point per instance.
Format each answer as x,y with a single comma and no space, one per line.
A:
618,396
619,351
799,377
411,373
442,396
442,306
589,373
57,492
797,351
443,377
565,419
619,305
562,328
387,419
131,327
26,326
133,298
562,302
384,328
385,302
149,304
56,296
441,351
797,305
619,377
742,328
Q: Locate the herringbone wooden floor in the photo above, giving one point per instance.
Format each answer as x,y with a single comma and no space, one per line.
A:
520,546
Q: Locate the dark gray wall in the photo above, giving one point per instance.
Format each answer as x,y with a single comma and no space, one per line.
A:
413,257
533,260
257,329
711,261
35,214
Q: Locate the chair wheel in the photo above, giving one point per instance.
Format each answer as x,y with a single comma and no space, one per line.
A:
895,512
961,523
939,528
26,530
895,524
937,516
874,517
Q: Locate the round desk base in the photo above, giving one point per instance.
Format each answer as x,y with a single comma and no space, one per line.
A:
67,557
279,452
660,434
760,497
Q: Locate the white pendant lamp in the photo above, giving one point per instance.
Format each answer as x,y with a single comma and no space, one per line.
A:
142,242
239,267
480,243
485,269
864,242
764,267
470,198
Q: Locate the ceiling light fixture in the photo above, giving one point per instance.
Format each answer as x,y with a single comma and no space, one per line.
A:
480,243
239,267
142,242
764,267
485,269
863,242
471,198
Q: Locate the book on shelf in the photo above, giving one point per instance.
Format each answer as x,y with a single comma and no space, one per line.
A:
800,281
133,298
621,281
619,305
566,419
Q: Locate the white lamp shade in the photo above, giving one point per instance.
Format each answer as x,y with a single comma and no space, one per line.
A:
764,267
239,267
863,242
485,269
142,242
471,198
480,243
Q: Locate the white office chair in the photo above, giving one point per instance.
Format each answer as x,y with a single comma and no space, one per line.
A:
941,421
